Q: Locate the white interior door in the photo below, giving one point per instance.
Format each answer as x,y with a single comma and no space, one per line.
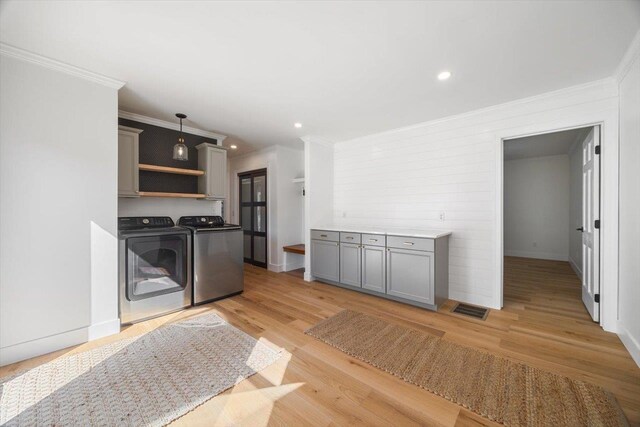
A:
591,214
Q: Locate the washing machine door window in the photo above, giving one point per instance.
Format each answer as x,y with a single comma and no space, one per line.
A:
156,265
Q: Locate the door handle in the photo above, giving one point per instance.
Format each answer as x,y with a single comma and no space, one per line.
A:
580,229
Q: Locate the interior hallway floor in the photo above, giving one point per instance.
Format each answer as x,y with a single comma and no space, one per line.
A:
543,324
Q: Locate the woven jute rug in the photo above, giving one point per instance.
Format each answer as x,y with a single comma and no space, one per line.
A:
149,380
504,391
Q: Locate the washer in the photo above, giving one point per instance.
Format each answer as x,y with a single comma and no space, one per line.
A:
154,267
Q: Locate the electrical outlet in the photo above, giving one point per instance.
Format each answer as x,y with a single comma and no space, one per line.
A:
441,216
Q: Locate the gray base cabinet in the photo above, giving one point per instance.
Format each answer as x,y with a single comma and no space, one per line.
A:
325,260
414,270
350,264
410,275
373,268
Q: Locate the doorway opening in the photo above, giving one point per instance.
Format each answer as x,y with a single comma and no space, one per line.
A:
253,215
551,214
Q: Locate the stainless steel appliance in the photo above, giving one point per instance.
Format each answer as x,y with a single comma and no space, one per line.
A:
154,267
217,258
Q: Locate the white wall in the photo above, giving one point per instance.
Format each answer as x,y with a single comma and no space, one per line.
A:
407,177
320,191
58,207
160,206
284,214
536,207
629,317
290,210
575,207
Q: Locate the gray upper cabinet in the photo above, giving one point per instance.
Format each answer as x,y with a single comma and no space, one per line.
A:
410,275
212,159
350,263
325,260
373,268
128,143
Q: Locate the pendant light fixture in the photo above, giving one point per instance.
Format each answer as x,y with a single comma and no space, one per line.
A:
180,151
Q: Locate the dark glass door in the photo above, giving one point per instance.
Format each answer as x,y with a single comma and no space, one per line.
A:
156,265
253,215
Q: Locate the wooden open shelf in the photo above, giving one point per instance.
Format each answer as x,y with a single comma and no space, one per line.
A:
167,169
295,249
178,195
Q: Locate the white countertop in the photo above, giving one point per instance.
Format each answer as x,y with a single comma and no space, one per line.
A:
427,234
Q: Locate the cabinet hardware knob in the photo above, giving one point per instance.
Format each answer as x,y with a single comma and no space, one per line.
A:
409,243
323,235
373,240
349,238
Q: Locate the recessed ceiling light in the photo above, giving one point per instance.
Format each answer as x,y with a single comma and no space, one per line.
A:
233,147
297,125
444,75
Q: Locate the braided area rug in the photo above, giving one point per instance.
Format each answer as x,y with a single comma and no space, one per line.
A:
502,390
148,380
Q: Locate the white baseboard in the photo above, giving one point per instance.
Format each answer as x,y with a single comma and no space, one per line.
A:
577,270
38,347
538,255
276,268
103,329
630,342
288,265
294,265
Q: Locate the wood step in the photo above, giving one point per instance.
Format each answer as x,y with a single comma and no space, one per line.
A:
295,249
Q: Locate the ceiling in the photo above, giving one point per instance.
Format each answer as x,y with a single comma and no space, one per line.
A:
548,144
343,69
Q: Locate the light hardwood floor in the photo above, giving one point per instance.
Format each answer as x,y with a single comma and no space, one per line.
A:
543,324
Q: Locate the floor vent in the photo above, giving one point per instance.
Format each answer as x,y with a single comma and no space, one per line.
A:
471,310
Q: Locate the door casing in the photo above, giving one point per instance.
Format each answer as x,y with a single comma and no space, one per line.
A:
500,208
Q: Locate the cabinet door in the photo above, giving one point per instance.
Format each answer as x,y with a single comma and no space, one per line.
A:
350,265
373,268
325,260
217,173
127,164
410,275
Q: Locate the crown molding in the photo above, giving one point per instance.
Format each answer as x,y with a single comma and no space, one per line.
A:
315,139
169,125
609,84
633,52
52,64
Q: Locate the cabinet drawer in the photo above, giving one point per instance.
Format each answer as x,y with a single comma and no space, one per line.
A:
414,243
374,239
332,236
350,237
